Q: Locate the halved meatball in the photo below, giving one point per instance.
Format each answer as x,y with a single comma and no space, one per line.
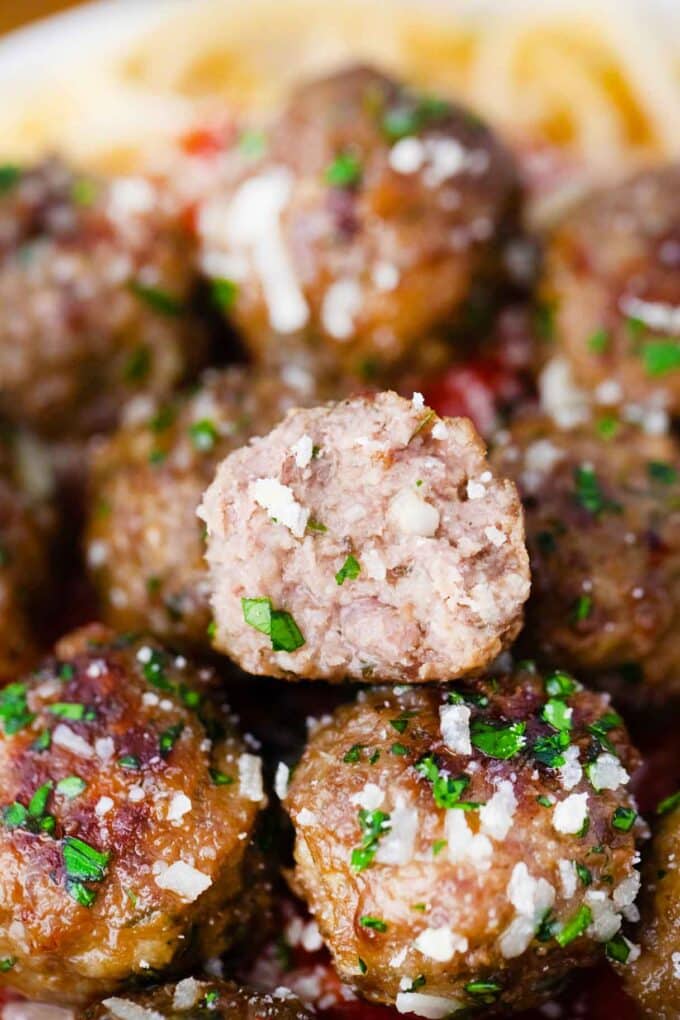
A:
652,970
466,847
366,539
360,227
144,542
192,998
27,524
613,276
602,507
94,276
129,805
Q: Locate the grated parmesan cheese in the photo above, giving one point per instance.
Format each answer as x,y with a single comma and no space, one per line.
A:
184,880
279,502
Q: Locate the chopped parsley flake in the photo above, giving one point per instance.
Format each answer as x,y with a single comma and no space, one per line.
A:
82,862
659,471
598,341
661,357
6,963
413,115
589,492
668,804
220,778
623,819
583,873
601,727
617,949
138,365
582,608
400,724
157,299
252,143
399,750
349,571
574,927
607,426
203,435
438,846
129,761
485,992
14,711
560,684
43,742
500,742
548,750
169,738
374,923
224,293
374,825
80,893
362,965
9,176
354,754
344,171
446,790
72,710
557,714
277,624
14,815
71,786
544,801
38,802
417,983
317,526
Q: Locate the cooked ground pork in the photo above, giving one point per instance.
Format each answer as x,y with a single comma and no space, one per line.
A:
602,506
129,804
653,976
144,543
363,224
94,279
192,998
366,539
613,280
466,846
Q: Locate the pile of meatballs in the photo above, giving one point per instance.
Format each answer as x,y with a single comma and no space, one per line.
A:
315,406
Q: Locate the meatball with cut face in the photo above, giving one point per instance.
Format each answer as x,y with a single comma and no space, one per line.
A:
651,972
26,527
128,810
366,539
603,530
144,542
466,847
360,227
94,276
192,998
613,278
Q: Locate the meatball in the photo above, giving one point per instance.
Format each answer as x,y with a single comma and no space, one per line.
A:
603,530
365,539
190,997
144,541
369,222
94,277
129,810
651,972
469,846
27,523
613,276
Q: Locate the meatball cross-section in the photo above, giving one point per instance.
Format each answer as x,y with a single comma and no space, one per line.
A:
126,832
366,539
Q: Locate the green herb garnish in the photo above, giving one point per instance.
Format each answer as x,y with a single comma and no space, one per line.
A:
157,299
277,624
348,571
71,786
374,825
500,741
575,927
344,171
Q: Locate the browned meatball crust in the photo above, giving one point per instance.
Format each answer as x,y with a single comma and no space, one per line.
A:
603,531
195,999
144,542
653,976
613,275
129,804
94,277
27,523
467,846
365,540
356,238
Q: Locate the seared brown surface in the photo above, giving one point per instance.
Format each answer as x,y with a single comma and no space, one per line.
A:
195,998
603,530
382,213
379,529
613,275
653,979
158,796
94,280
458,873
144,542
